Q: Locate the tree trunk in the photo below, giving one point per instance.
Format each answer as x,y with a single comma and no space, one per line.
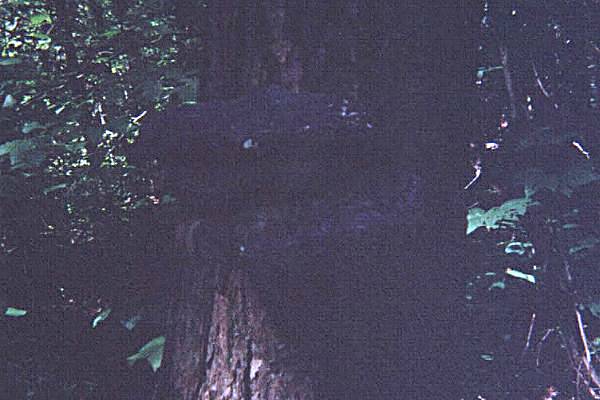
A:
246,360
220,341
223,341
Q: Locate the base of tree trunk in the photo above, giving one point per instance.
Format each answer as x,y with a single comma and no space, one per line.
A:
245,359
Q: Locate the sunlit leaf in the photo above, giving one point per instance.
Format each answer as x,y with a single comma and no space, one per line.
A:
15,312
40,19
101,317
520,275
505,215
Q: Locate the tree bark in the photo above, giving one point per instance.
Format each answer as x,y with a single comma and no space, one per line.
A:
223,341
220,341
246,360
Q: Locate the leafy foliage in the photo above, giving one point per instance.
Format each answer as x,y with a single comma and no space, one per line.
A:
78,78
538,181
506,215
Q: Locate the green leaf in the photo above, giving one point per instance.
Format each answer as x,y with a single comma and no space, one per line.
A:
151,351
520,275
111,33
15,312
497,217
61,108
101,317
40,19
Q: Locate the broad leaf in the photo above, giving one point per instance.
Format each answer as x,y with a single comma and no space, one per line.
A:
15,312
505,215
39,19
151,351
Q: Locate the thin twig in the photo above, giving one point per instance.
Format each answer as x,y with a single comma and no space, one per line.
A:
539,82
529,333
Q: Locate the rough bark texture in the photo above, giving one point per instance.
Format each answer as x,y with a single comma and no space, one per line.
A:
191,309
304,235
221,342
246,360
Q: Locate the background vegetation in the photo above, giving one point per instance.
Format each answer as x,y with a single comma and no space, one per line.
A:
533,202
76,83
